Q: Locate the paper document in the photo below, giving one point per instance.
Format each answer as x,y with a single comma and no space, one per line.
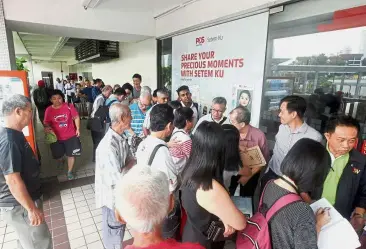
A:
338,233
244,205
252,157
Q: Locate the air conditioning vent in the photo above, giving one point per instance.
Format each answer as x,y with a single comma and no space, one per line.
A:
96,51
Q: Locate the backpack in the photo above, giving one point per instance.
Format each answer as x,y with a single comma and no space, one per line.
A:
98,122
153,153
256,235
41,97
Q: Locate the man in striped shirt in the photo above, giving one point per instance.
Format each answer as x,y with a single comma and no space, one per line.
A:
138,111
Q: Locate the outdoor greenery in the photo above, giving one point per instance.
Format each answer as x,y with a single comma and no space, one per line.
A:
20,61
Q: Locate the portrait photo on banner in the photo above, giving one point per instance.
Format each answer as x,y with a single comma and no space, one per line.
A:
244,97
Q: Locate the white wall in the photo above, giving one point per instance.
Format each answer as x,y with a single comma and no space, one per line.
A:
54,67
134,58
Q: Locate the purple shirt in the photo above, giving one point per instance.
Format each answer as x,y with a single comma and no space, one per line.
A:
255,137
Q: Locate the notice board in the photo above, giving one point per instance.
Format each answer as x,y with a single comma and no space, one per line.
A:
226,60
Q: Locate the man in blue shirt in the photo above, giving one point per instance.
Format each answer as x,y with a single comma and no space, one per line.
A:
88,92
138,111
97,88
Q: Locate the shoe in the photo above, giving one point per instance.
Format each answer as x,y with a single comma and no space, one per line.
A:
70,176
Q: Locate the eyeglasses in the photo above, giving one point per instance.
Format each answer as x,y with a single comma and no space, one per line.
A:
217,111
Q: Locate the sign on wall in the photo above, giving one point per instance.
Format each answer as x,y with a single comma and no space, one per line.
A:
226,60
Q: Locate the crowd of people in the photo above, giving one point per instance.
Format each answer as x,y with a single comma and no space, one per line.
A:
170,174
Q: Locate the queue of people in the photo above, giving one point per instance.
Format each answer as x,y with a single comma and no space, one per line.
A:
170,174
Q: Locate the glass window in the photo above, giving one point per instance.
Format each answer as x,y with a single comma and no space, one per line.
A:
165,63
326,68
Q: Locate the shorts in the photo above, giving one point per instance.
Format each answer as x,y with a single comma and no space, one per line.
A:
70,147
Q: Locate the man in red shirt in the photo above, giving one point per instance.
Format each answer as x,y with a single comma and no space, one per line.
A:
143,201
63,120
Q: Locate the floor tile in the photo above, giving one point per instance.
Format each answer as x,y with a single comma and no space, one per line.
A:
10,245
2,224
81,210
56,204
73,226
96,245
71,219
79,198
59,231
66,196
77,194
10,236
67,201
82,203
60,239
96,212
87,222
58,223
99,226
89,229
98,218
70,213
63,246
86,187
90,196
77,189
90,238
56,210
9,229
75,243
76,234
85,215
88,191
2,231
65,192
68,207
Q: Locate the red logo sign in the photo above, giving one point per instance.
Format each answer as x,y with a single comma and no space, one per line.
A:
200,40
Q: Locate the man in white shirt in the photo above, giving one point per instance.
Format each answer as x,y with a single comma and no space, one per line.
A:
59,85
185,97
218,109
162,97
113,160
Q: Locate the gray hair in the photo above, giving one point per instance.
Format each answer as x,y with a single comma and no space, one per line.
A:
116,111
145,92
143,198
242,114
219,100
161,92
13,102
107,88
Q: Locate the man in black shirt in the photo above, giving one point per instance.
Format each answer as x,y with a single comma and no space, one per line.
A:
20,186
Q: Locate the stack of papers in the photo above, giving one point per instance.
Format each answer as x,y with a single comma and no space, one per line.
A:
338,233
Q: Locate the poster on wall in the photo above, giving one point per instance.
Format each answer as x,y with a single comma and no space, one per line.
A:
226,60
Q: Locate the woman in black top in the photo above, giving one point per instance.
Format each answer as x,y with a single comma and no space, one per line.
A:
304,168
203,196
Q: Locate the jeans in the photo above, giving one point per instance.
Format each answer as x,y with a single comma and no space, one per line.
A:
30,237
113,231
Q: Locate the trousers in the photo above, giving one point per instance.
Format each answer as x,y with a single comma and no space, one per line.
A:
30,237
113,231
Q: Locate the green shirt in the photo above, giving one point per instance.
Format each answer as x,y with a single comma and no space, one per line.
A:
332,180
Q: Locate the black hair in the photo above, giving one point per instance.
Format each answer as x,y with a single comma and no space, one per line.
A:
160,116
155,93
137,76
182,88
128,86
341,120
57,92
181,116
243,114
246,92
231,143
175,104
98,81
80,77
307,164
206,160
120,91
295,104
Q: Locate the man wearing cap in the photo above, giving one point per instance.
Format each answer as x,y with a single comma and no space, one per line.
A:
41,99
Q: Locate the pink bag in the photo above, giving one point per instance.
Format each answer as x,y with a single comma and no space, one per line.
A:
256,235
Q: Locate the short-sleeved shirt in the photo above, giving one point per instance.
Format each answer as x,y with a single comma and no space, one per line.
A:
147,122
16,156
209,118
136,94
95,92
182,151
112,155
285,139
138,118
255,137
162,161
61,121
169,244
88,92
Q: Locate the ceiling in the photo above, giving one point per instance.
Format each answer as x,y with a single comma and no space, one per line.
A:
47,47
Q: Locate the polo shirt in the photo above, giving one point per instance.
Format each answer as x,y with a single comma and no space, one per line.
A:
255,137
162,161
138,118
331,182
195,112
285,139
147,123
209,118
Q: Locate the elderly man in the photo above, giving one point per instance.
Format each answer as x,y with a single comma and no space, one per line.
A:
162,97
152,192
97,135
249,137
218,109
20,185
113,159
139,110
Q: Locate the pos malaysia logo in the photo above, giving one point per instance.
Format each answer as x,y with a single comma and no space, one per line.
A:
200,41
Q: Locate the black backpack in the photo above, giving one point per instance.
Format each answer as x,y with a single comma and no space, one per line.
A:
41,97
